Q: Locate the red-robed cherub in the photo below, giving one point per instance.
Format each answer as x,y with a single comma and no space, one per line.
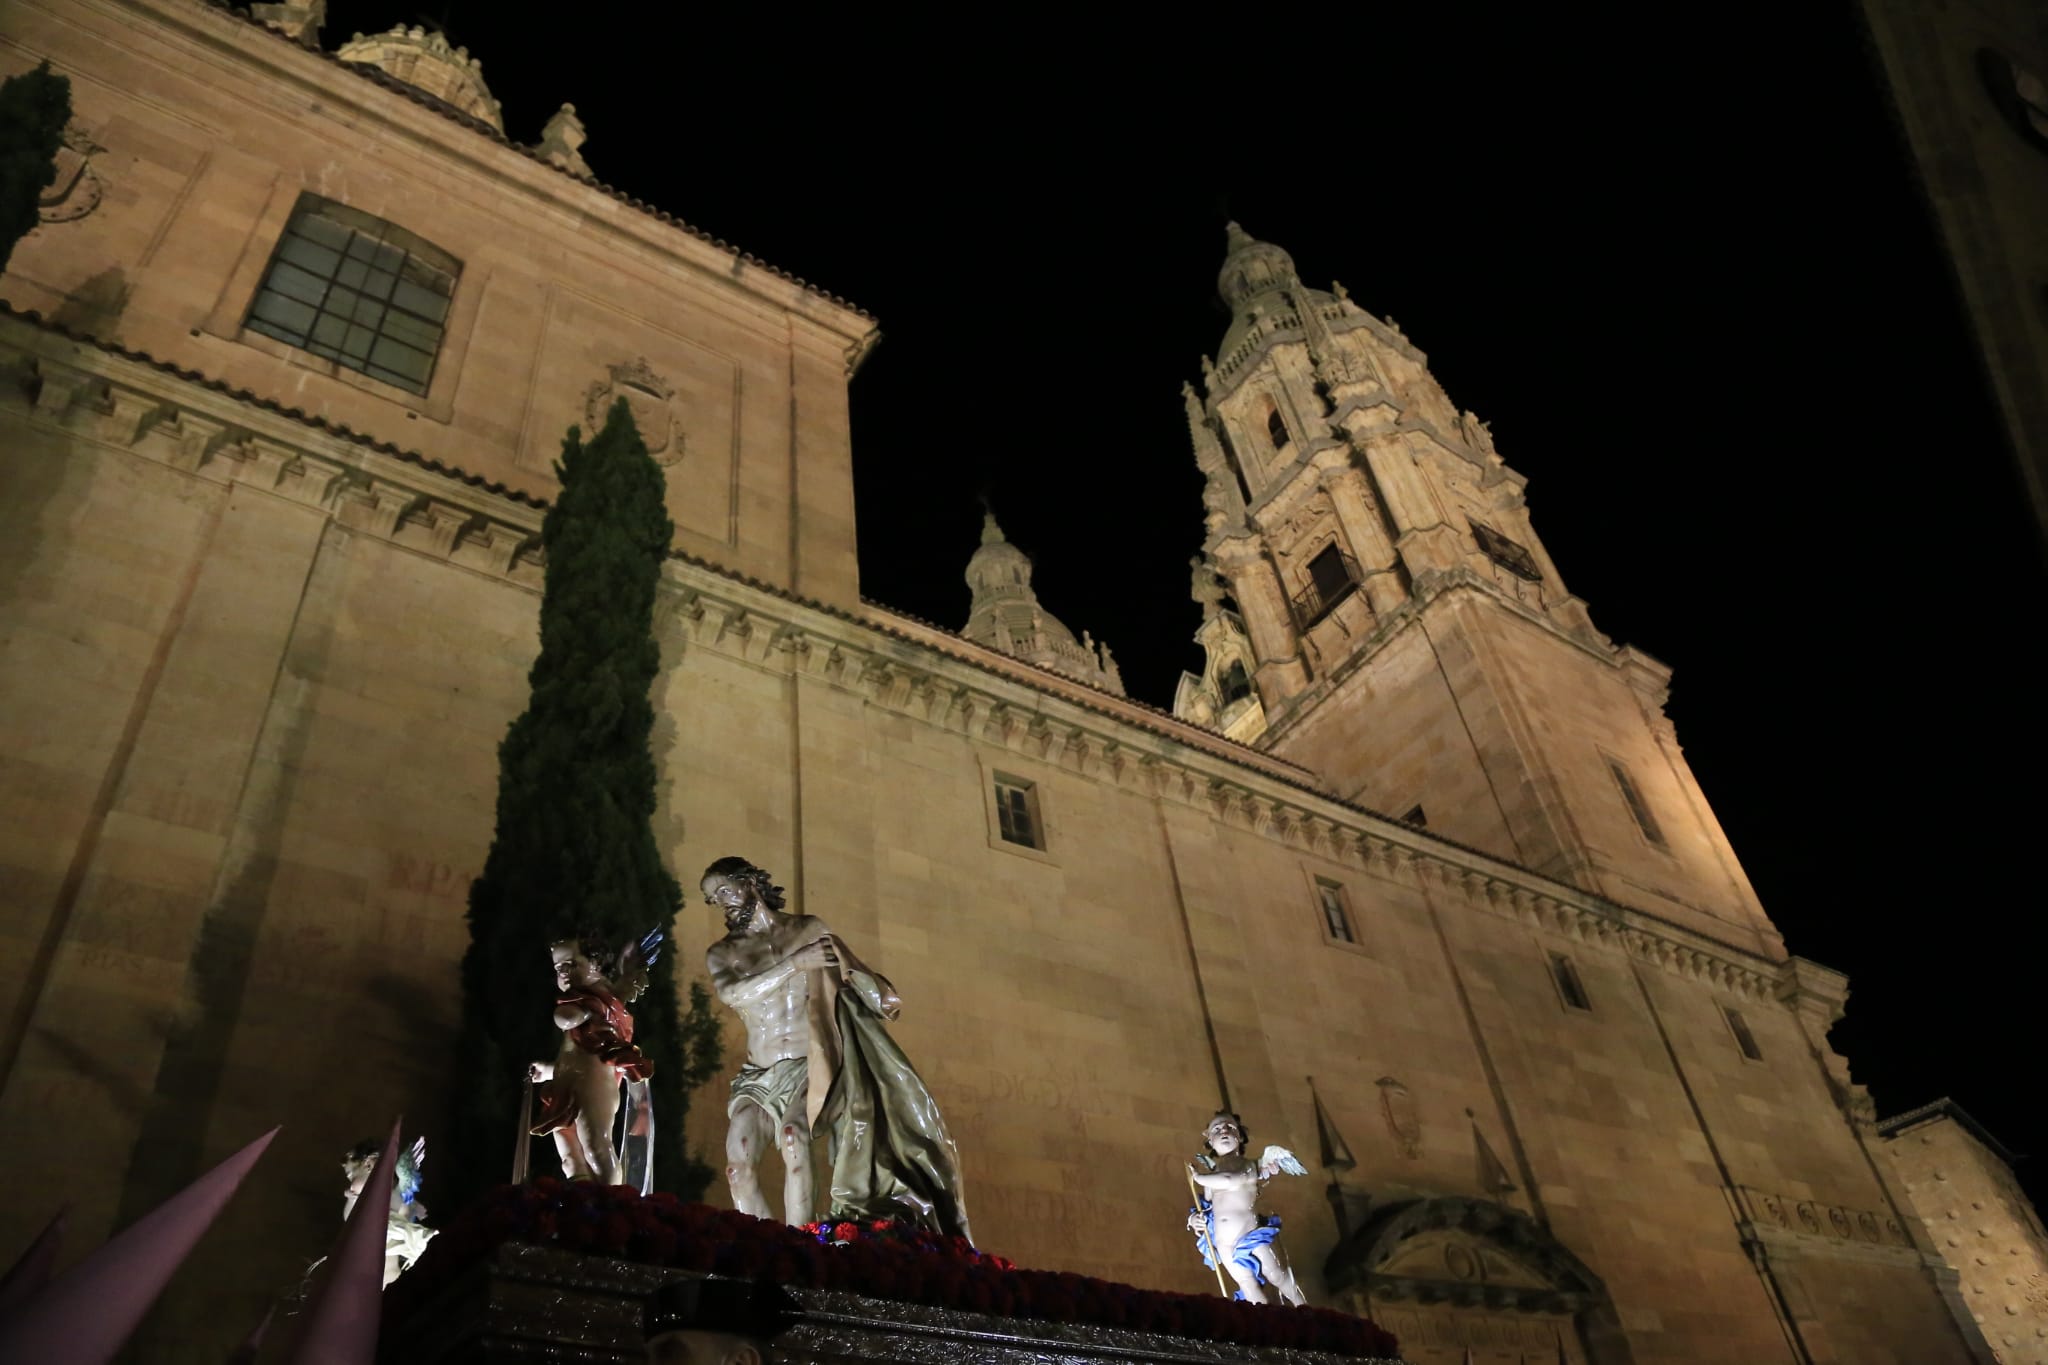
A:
578,1094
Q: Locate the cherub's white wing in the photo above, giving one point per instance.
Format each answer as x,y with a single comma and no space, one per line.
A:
1282,1159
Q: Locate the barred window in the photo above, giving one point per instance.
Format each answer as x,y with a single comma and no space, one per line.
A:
1276,428
358,291
1511,555
1017,812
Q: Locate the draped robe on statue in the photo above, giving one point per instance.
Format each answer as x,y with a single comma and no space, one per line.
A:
890,1153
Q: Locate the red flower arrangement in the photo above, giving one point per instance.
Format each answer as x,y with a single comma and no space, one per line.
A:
887,1259
894,1232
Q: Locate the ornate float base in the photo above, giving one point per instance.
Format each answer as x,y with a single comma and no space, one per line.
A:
536,1303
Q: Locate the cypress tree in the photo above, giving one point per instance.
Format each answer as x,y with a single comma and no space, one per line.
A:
574,850
34,107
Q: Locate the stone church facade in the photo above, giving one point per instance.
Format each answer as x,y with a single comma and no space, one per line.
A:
280,380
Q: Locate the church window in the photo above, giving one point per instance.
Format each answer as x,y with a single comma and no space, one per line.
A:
1509,554
1235,684
1569,988
359,291
1637,807
1017,812
1744,1039
1336,914
1331,577
1276,429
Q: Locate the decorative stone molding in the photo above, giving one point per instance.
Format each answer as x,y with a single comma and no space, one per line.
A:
562,139
97,395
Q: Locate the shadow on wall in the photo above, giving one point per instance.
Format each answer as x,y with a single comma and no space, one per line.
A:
94,308
171,1144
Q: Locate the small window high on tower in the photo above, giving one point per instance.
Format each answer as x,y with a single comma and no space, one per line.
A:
1569,988
1331,576
1637,807
1235,684
1511,555
1276,429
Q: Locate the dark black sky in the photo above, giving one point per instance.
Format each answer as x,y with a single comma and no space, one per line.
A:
1682,270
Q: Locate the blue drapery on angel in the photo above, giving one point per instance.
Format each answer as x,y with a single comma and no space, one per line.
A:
1244,1253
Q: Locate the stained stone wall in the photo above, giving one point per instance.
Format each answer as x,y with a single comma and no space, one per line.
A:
1960,1181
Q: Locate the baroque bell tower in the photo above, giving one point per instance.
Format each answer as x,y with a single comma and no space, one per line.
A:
1415,645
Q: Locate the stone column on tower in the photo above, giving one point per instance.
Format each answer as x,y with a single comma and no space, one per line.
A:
1363,529
1268,618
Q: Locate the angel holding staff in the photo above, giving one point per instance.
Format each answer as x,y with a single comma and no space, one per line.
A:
578,1093
1228,1227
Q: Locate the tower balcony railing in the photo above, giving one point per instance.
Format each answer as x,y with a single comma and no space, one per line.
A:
1318,599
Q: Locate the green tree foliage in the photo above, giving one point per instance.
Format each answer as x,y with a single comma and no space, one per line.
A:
574,851
34,107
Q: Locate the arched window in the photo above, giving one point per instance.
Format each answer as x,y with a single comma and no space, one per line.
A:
1275,428
359,291
1235,682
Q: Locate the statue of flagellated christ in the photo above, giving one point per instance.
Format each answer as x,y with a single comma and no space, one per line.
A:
818,1054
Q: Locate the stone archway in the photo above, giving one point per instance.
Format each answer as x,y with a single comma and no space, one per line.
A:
1455,1276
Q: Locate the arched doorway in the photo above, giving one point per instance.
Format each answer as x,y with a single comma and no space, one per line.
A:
1456,1276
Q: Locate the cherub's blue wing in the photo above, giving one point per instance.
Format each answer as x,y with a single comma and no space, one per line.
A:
410,1163
635,963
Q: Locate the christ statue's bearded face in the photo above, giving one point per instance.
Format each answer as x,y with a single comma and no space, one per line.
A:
734,899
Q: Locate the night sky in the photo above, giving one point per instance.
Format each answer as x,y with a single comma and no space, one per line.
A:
1684,273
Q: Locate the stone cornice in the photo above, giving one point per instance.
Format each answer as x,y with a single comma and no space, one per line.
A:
1946,1108
374,94
120,401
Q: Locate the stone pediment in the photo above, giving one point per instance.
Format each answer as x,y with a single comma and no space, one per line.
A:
1458,1257
1464,1252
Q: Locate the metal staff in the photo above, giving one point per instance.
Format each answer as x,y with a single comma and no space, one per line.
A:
525,1146
1208,1242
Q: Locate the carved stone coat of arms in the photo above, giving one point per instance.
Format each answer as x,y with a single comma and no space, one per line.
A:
652,401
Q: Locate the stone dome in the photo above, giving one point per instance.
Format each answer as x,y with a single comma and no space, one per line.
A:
1007,615
424,60
1252,267
1258,280
998,565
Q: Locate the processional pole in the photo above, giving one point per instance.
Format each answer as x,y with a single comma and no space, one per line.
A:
520,1152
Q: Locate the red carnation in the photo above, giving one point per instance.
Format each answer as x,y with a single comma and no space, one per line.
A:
846,1232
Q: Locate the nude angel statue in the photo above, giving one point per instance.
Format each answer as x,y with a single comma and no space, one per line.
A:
578,1093
1225,1220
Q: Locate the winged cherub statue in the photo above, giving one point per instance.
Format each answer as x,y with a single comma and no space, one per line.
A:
406,1232
1225,1220
578,1093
